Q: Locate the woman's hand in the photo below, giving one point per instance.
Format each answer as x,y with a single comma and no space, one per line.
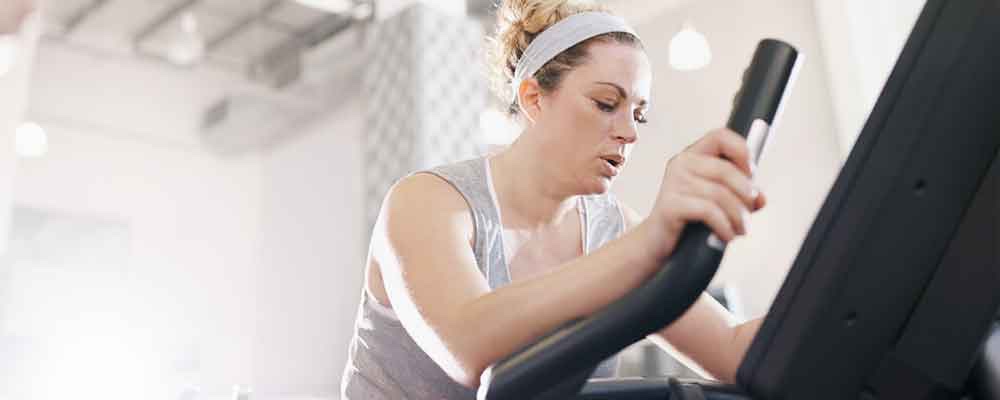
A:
709,182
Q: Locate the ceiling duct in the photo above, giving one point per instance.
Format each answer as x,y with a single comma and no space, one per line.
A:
279,67
313,81
246,122
282,65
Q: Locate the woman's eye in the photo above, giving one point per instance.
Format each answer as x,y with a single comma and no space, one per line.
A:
605,106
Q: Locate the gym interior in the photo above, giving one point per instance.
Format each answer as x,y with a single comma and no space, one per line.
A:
188,187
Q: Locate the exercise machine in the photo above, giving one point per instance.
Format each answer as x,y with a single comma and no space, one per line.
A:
895,289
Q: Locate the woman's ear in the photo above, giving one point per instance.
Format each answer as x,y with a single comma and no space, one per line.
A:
529,99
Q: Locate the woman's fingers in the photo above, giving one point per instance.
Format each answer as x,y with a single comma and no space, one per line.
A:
725,173
727,144
731,204
710,182
760,201
697,209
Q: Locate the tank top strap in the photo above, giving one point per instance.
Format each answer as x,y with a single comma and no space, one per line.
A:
471,179
604,220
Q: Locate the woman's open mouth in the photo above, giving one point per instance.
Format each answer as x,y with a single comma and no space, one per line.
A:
614,163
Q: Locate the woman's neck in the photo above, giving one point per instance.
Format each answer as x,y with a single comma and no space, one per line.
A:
524,185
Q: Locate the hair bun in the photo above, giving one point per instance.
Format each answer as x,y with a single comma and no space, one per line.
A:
518,22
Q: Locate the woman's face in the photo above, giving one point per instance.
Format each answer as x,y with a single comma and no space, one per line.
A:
589,123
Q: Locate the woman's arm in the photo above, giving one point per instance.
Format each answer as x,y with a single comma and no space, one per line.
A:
707,333
421,245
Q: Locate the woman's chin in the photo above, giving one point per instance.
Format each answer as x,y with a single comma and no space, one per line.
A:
599,185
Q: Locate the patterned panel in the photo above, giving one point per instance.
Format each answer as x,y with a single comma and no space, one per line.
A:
425,90
453,89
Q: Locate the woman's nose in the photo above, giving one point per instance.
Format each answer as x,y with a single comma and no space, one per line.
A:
626,131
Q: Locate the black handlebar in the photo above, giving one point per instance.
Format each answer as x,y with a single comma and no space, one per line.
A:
558,364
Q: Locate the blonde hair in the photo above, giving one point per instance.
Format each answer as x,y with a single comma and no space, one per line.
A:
519,22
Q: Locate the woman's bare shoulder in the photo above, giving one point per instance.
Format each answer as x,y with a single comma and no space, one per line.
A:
422,217
421,204
427,192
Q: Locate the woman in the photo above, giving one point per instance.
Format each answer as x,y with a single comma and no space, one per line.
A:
471,261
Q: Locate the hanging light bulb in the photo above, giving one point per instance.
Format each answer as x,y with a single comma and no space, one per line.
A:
30,140
8,53
363,11
689,50
188,48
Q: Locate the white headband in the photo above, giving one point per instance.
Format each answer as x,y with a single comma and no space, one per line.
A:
560,37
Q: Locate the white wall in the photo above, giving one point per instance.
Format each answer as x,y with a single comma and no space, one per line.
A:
313,251
861,41
194,226
119,95
13,102
123,147
243,270
801,160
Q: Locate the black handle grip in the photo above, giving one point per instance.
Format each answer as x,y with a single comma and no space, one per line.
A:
548,368
765,83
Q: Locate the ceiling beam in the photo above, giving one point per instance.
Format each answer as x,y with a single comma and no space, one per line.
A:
161,20
324,29
81,15
282,65
238,27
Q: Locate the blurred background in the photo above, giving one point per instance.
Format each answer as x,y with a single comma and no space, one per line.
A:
187,186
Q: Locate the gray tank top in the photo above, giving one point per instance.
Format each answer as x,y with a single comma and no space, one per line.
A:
383,360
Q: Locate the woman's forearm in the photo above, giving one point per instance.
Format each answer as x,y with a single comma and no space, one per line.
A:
743,335
524,311
710,336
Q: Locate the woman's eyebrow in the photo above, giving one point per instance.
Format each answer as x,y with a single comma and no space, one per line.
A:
622,92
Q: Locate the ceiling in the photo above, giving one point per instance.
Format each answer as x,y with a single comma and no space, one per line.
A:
242,35
279,61
635,11
263,40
